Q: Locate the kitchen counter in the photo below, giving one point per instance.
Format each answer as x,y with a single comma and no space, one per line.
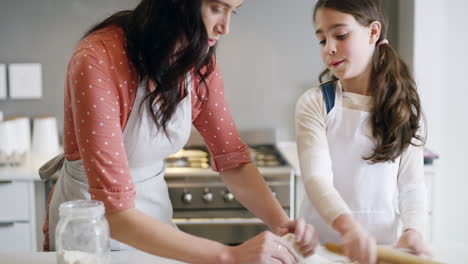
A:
25,172
289,151
197,172
446,253
29,170
117,257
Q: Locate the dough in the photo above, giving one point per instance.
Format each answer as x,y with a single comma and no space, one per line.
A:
291,239
315,258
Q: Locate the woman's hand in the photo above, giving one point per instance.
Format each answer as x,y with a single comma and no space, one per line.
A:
360,246
305,234
412,240
265,248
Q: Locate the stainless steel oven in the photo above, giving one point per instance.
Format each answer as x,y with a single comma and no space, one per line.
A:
202,204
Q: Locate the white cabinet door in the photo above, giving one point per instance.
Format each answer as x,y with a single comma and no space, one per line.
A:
429,173
15,200
17,216
15,237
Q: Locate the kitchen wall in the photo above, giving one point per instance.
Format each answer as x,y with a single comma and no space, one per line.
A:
456,145
46,31
436,47
431,72
270,58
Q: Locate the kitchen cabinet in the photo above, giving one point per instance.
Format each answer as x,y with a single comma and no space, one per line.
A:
117,257
22,209
430,174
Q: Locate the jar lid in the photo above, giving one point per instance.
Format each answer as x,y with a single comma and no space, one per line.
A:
82,208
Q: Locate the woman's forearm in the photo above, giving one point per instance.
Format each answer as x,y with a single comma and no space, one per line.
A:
145,233
251,190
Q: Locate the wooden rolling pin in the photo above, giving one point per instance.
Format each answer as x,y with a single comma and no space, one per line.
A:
387,254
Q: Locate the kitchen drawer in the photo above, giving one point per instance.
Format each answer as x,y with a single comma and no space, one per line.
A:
15,237
15,200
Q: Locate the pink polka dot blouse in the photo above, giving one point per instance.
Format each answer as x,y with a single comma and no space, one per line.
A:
100,90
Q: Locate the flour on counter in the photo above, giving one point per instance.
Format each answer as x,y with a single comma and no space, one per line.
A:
79,257
315,258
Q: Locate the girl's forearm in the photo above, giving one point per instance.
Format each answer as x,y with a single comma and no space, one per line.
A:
344,223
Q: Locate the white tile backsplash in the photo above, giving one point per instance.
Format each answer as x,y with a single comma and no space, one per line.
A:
25,80
3,85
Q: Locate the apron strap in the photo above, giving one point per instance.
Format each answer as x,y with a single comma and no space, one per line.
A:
328,91
51,167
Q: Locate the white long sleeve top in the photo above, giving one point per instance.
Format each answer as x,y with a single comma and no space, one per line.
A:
315,163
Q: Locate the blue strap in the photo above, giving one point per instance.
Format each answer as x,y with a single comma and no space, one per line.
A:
328,91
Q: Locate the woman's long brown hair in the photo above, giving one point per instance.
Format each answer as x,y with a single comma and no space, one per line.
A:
396,112
152,32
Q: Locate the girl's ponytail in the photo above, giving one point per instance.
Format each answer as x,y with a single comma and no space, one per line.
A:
396,112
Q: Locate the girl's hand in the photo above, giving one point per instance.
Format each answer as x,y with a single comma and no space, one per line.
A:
412,240
360,246
264,248
305,235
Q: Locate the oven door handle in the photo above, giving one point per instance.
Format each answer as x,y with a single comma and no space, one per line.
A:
216,221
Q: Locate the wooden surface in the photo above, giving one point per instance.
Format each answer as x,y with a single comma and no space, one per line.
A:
388,255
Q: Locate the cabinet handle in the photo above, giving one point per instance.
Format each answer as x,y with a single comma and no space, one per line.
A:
5,182
6,224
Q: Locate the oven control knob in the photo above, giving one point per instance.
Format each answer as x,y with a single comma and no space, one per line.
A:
228,197
208,197
187,197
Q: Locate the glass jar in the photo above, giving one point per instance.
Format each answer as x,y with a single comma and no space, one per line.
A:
82,233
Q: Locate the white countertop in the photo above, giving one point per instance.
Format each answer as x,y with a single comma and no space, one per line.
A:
444,252
27,171
289,151
19,173
194,172
117,257
287,148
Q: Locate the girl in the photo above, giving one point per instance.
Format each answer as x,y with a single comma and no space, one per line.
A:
135,85
358,136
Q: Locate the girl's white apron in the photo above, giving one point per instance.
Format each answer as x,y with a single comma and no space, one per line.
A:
368,189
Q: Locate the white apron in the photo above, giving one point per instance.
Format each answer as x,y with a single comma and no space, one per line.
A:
368,189
146,149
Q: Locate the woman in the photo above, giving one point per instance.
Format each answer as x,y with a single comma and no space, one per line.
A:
358,136
135,85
